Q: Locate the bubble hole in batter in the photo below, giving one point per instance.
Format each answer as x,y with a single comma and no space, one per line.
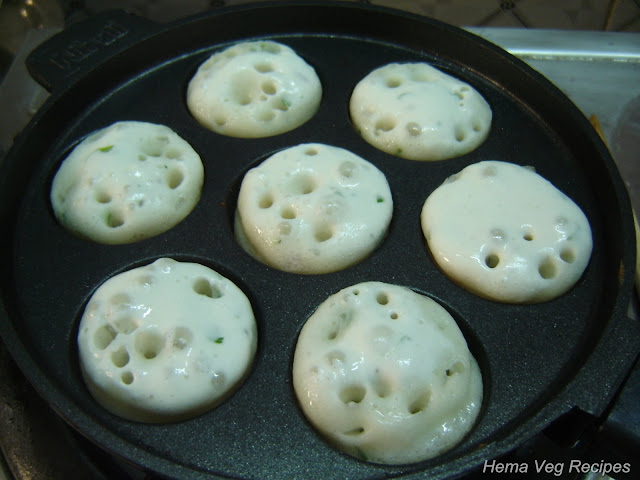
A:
492,260
103,336
341,324
547,268
182,338
382,298
202,286
114,219
568,255
352,394
175,178
149,343
120,357
127,378
420,403
263,67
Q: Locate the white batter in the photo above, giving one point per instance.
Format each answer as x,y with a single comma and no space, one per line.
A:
254,89
504,232
415,111
127,182
312,209
166,341
385,374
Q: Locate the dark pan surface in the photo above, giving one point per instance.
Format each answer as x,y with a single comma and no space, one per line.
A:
537,361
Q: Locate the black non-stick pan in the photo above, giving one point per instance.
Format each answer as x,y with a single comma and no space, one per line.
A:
538,361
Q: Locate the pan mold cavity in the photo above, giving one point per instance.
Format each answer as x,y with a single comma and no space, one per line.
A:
139,180
163,328
385,360
536,251
254,90
312,209
453,119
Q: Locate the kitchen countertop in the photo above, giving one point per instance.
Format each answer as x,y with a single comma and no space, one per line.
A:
599,72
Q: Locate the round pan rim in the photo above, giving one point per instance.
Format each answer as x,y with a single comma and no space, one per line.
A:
574,397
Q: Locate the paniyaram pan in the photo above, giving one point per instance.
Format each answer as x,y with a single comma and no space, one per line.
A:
538,361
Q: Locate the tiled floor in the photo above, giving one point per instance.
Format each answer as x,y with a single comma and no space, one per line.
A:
614,15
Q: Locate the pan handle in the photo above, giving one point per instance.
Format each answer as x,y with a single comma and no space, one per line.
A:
609,365
80,47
